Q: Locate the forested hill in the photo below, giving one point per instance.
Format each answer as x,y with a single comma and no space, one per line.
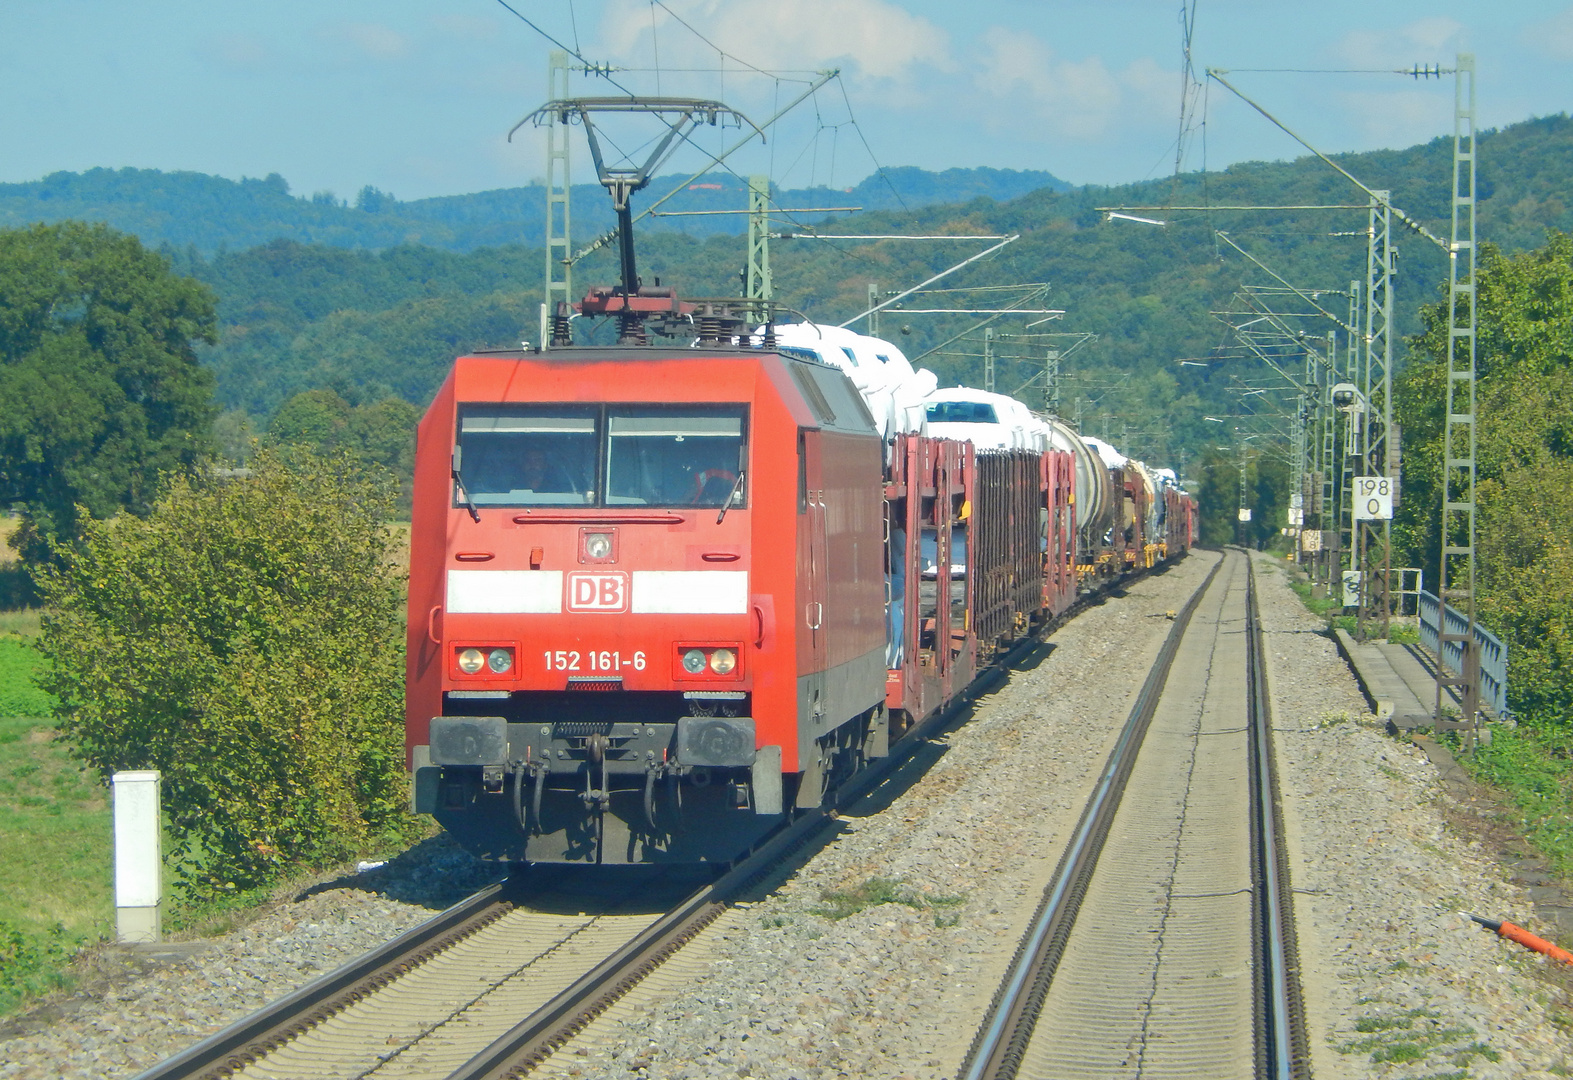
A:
209,213
296,316
370,320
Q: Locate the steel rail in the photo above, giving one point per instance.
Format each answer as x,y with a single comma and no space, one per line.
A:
254,1036
1281,1048
997,1049
531,1041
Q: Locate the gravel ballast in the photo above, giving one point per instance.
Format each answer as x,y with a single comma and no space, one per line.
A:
877,953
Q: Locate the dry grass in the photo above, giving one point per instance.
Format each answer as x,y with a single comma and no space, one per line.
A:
23,623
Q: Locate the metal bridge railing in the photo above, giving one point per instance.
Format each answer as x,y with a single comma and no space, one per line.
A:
1493,652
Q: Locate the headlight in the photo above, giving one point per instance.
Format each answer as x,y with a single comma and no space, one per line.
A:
694,661
471,661
598,545
722,661
500,660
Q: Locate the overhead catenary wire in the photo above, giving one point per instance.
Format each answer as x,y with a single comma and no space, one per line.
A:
572,52
1027,299
877,166
979,311
815,235
777,75
655,47
991,288
1418,71
1217,75
715,159
690,28
781,75
930,281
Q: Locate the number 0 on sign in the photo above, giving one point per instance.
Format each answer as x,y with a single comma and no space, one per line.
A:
1373,499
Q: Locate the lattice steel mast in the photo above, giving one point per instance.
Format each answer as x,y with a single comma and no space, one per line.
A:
1459,438
558,293
1374,545
758,285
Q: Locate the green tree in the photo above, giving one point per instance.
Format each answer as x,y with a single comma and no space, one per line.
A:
316,418
380,433
102,387
245,639
1524,462
383,433
1217,497
234,432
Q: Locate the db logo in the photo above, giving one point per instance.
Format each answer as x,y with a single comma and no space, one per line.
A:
603,591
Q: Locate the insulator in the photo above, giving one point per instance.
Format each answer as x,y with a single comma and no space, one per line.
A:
562,332
632,329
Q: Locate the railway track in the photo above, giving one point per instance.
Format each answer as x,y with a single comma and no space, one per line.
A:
445,1000
1164,944
426,1001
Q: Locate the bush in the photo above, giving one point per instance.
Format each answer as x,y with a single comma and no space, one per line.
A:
30,963
245,640
1526,584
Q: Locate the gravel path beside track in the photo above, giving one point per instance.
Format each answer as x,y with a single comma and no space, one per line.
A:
778,989
1397,983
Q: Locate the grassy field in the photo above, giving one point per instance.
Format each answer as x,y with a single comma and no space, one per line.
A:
1533,768
55,832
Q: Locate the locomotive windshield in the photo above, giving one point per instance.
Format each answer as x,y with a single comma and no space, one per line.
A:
513,456
619,455
673,457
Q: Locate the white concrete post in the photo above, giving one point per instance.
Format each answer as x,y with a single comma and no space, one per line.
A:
138,864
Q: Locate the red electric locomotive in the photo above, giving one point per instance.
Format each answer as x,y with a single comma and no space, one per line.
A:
644,583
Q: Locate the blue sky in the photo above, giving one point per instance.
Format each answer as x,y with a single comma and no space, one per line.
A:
416,96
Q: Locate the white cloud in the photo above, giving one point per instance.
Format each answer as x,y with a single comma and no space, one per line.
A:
1398,118
1152,88
1424,41
374,39
877,39
1074,99
240,51
1553,36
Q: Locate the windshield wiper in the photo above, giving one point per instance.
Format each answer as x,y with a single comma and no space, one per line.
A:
464,492
737,485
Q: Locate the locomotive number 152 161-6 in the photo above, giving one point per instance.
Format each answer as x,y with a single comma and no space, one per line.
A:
574,660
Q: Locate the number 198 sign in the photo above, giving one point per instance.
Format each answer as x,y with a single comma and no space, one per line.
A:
1373,498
